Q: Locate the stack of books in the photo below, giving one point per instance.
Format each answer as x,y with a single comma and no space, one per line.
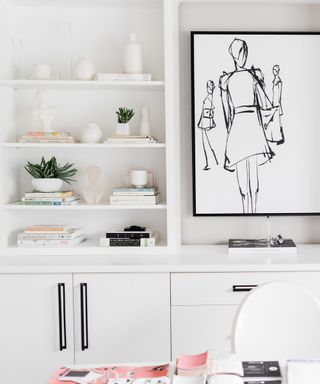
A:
124,238
130,140
124,77
127,195
50,198
50,236
46,137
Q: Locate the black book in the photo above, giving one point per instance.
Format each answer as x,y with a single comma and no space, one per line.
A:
261,369
128,235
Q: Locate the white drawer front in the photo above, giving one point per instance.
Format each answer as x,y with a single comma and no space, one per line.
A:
218,288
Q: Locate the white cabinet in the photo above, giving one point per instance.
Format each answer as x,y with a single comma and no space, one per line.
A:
204,305
122,317
36,336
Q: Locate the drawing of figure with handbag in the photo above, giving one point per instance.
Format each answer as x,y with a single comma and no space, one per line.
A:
206,123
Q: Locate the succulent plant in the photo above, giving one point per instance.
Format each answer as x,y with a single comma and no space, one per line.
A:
124,115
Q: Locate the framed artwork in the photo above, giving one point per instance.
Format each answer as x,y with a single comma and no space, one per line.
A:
255,123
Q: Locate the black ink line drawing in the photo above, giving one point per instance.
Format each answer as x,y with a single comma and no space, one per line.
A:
247,113
206,123
274,131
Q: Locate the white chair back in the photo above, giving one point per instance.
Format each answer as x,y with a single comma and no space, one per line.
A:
277,321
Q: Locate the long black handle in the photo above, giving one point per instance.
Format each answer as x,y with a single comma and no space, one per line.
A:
62,316
84,316
243,287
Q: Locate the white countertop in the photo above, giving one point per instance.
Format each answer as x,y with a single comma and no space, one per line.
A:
190,258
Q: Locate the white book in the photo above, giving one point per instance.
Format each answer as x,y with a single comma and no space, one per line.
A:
126,199
124,77
50,243
51,236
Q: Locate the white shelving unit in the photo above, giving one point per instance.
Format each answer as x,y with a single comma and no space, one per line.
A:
60,33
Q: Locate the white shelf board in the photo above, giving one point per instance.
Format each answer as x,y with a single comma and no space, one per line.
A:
84,206
85,85
81,145
88,3
87,247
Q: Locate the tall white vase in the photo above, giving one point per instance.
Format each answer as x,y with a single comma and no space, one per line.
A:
145,125
133,62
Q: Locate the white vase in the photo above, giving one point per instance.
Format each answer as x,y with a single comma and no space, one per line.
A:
123,129
133,62
92,133
84,69
47,185
41,72
139,178
145,126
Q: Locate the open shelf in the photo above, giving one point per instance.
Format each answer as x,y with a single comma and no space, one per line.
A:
83,206
87,247
81,145
86,85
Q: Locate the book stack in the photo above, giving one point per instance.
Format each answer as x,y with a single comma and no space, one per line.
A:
50,198
46,137
124,77
123,195
125,238
130,140
50,236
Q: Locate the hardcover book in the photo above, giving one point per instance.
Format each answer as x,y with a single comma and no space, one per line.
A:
261,245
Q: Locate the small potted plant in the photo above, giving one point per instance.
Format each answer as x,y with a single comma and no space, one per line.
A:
124,116
48,176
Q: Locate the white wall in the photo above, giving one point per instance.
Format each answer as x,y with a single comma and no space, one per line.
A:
214,230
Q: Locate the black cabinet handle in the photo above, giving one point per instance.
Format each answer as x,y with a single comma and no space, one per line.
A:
84,316
62,316
243,287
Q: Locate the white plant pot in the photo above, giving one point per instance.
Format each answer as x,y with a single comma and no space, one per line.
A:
47,185
123,129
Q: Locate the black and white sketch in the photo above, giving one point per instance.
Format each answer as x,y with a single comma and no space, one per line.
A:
206,123
240,126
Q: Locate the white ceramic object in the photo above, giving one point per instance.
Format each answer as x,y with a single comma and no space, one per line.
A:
123,129
91,134
139,178
41,72
133,61
44,113
84,69
93,194
47,185
145,125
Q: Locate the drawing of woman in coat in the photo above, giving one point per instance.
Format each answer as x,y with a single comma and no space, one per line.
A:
206,123
247,113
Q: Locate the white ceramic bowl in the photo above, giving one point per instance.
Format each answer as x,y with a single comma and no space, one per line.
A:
47,185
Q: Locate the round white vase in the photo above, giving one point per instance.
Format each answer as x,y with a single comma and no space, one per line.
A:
84,69
41,72
47,185
91,134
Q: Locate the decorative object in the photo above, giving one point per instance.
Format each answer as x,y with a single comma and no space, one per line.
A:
139,178
93,194
84,69
41,72
49,175
124,116
92,133
254,124
145,125
133,62
43,112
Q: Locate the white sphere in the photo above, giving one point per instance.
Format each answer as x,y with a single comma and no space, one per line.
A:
84,69
92,133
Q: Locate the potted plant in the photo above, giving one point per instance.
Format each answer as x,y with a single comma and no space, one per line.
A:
124,116
48,176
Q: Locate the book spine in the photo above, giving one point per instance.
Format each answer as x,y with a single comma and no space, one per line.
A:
153,190
50,199
104,242
48,243
49,202
128,235
134,199
124,76
49,194
49,236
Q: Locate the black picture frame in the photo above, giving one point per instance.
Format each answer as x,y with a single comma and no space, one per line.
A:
193,125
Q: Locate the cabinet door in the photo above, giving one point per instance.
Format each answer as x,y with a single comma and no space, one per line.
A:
122,318
32,328
197,329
